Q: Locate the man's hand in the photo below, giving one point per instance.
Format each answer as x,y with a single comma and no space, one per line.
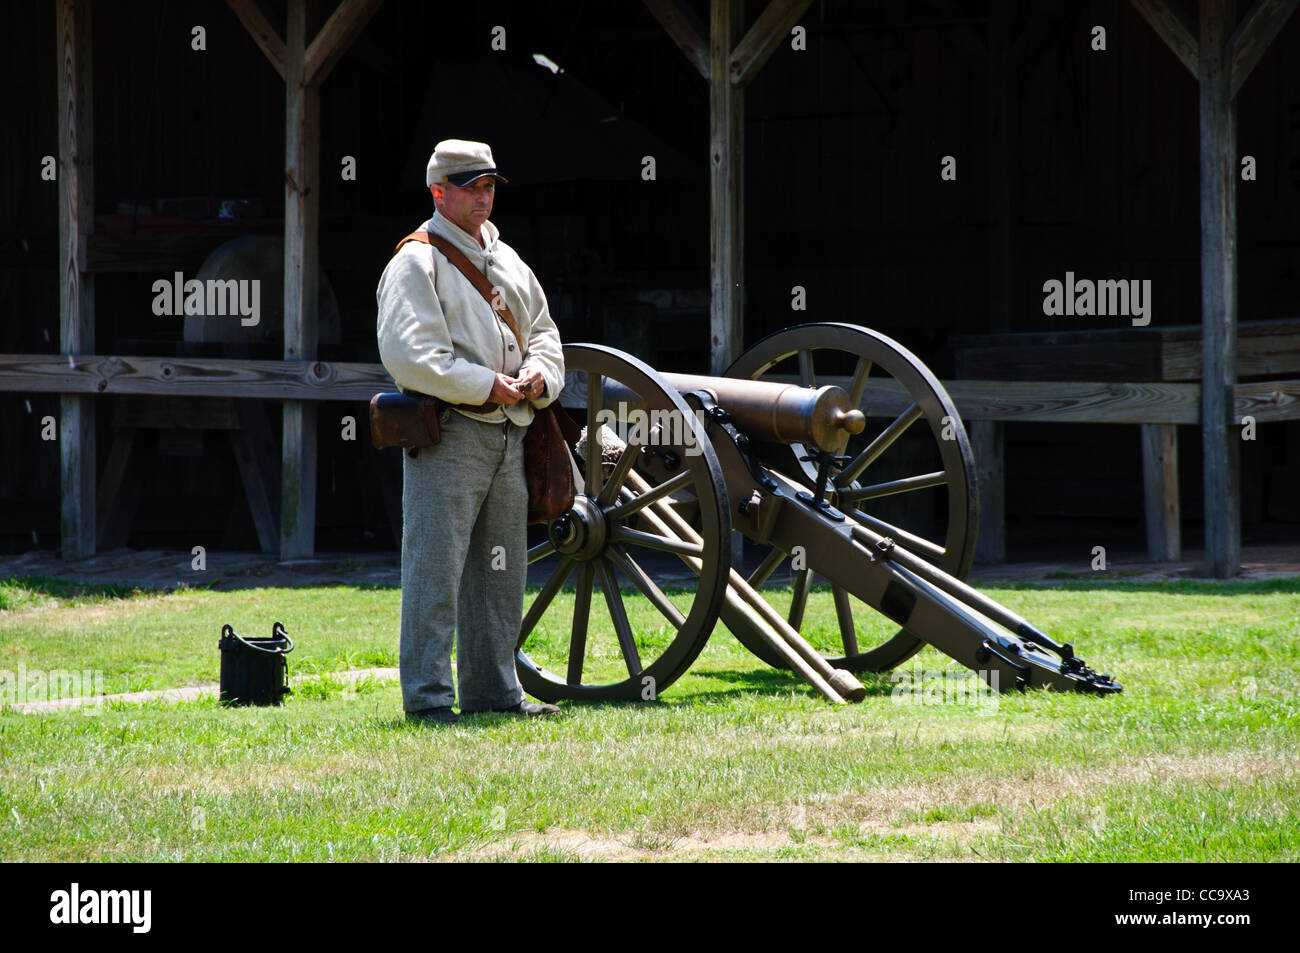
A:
530,383
505,391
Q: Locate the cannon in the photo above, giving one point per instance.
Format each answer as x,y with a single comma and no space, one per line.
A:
829,445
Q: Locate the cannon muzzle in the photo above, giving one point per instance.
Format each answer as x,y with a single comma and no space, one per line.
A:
766,411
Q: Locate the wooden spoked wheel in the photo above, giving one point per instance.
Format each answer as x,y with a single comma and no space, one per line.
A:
911,473
643,632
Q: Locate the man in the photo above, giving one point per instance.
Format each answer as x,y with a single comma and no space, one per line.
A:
464,502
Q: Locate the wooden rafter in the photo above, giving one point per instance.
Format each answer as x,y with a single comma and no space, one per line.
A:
769,30
685,29
1170,21
263,34
1253,36
347,20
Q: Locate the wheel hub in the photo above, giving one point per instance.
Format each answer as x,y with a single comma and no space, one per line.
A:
580,533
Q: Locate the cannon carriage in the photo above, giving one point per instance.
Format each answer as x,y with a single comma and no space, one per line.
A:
829,445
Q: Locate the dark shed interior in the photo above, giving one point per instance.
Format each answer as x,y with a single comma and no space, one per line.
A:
1092,158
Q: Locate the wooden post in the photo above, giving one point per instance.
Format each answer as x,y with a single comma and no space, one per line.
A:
986,438
301,275
76,288
726,181
1219,290
1160,491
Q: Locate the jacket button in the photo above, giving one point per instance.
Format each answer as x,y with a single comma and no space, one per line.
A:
510,347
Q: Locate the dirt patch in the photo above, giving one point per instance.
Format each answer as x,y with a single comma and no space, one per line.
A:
639,847
883,813
888,805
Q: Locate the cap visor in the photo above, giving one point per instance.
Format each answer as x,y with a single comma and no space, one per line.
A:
465,178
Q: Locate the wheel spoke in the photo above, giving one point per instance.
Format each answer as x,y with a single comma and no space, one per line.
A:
540,551
618,613
879,445
624,534
806,376
905,485
581,612
625,509
595,398
647,586
543,600
860,374
766,567
859,384
799,602
900,535
626,460
844,613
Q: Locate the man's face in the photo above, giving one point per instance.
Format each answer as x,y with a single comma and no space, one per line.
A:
468,206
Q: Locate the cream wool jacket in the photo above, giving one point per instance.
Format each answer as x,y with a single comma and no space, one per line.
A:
438,336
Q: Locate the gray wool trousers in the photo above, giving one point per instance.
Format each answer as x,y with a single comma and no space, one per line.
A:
464,564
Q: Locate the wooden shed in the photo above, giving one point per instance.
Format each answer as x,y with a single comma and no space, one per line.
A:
927,169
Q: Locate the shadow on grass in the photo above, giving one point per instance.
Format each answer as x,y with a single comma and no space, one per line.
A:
71,589
1169,586
768,681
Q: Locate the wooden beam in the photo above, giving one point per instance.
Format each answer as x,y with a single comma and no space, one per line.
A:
1080,402
192,377
1254,34
685,29
259,502
1060,401
263,34
1170,21
726,190
1220,436
76,288
772,27
1267,401
301,277
1160,491
345,23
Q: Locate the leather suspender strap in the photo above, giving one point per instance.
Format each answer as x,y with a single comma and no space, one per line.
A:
476,277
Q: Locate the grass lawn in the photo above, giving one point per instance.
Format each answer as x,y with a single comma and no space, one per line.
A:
1198,759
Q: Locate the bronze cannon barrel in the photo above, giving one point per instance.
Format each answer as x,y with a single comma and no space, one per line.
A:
764,410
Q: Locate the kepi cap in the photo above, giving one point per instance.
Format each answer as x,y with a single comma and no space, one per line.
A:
461,162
